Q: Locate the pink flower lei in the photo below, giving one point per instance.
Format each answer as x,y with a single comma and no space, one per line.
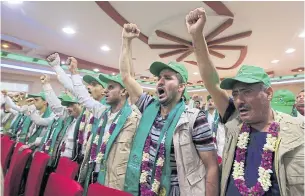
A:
265,169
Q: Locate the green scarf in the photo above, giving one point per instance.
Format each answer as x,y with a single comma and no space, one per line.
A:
24,124
39,128
125,112
133,173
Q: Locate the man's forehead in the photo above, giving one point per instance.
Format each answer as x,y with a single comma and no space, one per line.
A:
239,85
167,72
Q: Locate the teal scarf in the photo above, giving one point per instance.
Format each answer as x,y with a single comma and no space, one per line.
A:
133,173
124,113
39,128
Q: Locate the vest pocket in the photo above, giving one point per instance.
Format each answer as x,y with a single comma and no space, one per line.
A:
294,170
196,179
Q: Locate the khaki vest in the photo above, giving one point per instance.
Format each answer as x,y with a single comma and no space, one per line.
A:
118,156
289,154
191,171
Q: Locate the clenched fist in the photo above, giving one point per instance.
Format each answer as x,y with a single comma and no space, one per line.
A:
130,31
4,92
195,21
45,79
72,64
54,59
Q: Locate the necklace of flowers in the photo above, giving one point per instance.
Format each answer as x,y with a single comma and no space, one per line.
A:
85,127
264,170
145,169
46,145
94,157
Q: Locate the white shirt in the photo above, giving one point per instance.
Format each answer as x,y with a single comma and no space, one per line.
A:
221,134
69,140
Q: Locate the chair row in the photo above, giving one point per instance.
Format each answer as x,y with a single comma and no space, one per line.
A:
60,182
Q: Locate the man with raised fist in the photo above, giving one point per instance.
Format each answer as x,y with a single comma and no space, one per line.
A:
264,149
173,151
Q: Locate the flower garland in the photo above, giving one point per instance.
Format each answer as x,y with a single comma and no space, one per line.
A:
265,169
97,157
145,170
85,127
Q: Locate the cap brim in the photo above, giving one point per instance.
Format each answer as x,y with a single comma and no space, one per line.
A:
157,67
88,79
284,109
228,83
67,103
36,95
107,79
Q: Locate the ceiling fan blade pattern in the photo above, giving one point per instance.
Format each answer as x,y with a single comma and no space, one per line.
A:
217,54
171,53
230,38
167,46
173,38
219,29
184,55
226,47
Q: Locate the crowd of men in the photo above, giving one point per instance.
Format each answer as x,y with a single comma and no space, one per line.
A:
249,143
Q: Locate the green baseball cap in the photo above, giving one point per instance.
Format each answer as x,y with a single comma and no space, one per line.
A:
66,100
283,101
88,79
41,94
247,74
157,67
116,78
209,97
61,95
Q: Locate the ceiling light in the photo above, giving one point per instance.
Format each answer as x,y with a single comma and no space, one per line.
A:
68,30
14,2
105,48
5,46
302,35
300,70
195,73
290,50
113,74
96,70
63,62
275,61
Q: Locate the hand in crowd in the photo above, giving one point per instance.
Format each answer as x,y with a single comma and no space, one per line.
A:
53,59
72,63
45,79
130,31
195,21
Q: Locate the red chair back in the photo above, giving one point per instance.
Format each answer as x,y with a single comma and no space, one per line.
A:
36,173
7,147
97,189
66,167
14,175
60,185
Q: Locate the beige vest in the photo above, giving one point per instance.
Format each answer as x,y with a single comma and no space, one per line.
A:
289,154
118,155
191,171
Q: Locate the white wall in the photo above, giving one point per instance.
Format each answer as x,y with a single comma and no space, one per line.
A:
35,85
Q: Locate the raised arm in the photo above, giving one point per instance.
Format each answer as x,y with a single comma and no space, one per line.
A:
51,98
134,89
37,119
7,100
63,78
195,22
81,91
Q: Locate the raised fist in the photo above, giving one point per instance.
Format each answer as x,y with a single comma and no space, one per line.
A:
45,79
195,21
54,59
72,64
130,31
